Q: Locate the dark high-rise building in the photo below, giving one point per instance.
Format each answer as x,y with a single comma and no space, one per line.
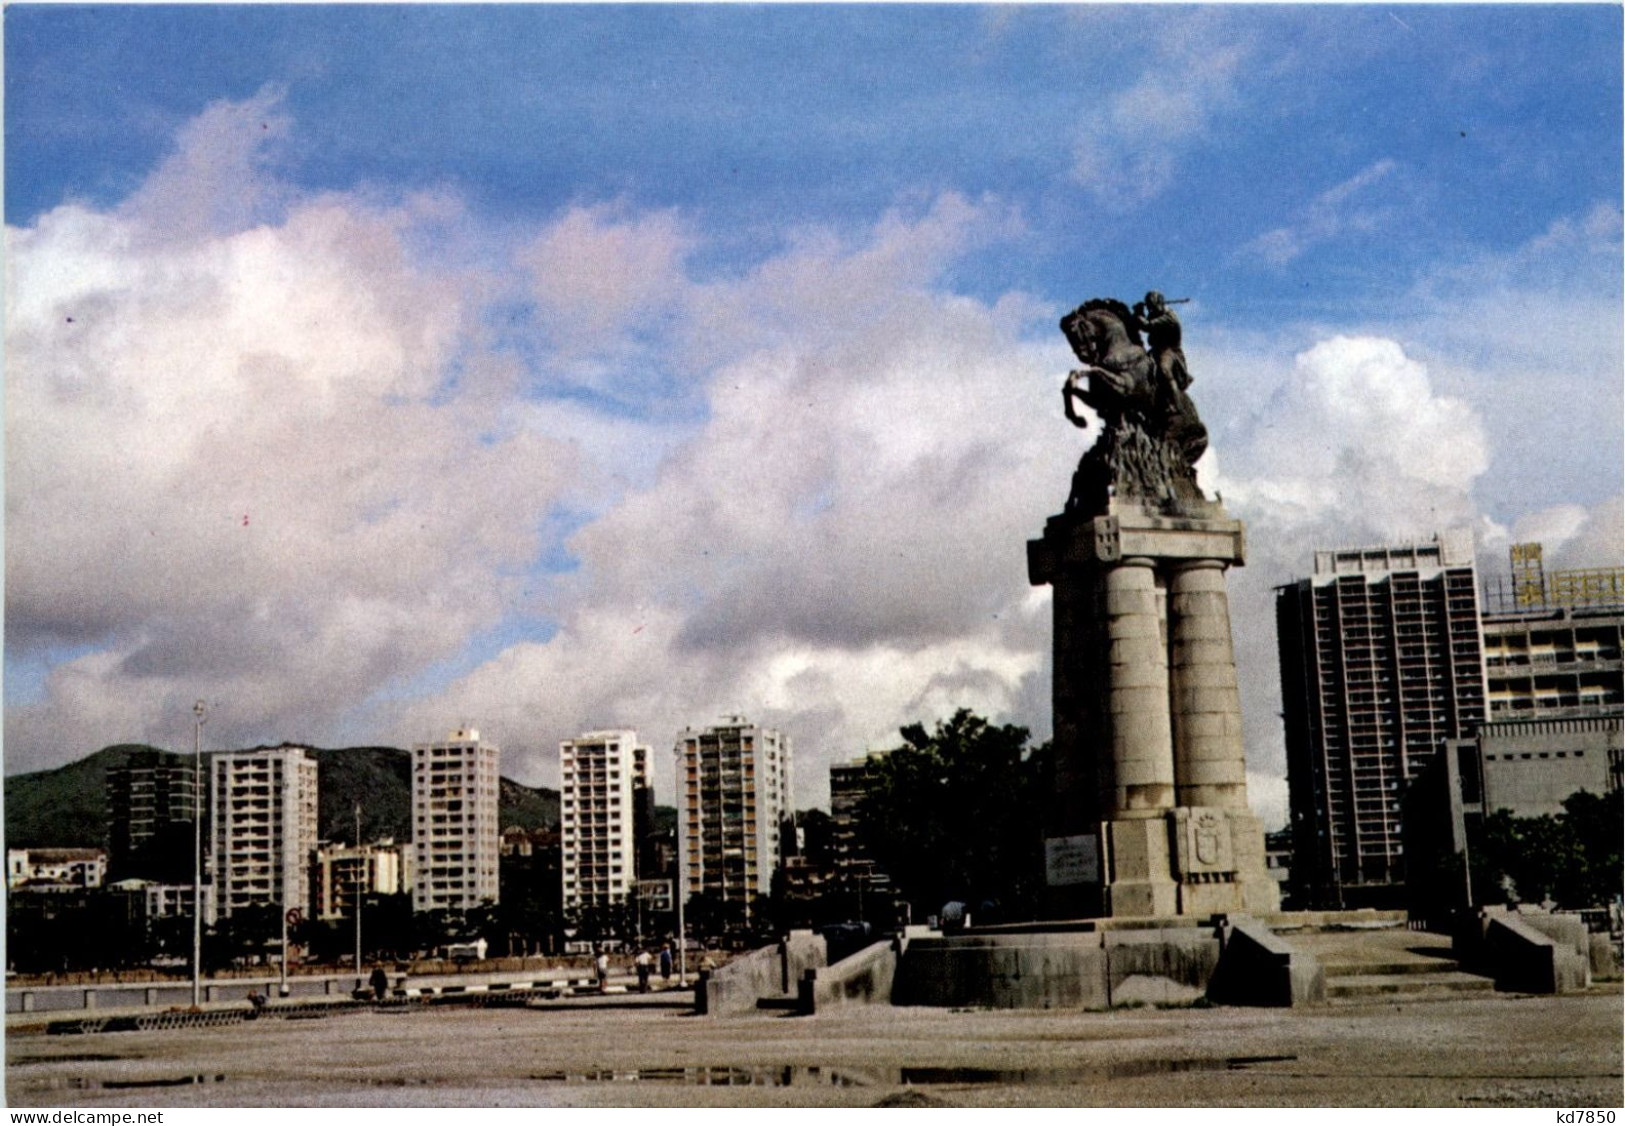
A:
1381,661
856,873
151,804
645,841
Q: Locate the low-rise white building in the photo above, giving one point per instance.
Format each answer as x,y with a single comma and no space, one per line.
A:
382,868
69,867
166,901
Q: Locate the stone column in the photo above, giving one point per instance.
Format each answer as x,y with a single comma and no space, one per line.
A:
1134,832
1148,765
1142,754
1209,763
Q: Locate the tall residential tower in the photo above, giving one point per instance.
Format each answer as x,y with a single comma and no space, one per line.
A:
603,773
264,828
151,803
1381,661
736,790
455,786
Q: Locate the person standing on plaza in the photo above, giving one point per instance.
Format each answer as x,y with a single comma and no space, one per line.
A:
601,965
645,965
665,962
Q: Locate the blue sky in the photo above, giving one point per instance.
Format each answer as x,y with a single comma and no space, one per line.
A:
752,117
657,258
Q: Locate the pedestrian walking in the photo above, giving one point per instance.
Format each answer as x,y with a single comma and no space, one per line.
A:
645,966
665,962
602,966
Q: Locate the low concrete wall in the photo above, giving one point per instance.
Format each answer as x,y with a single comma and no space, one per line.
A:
1361,918
773,972
1077,969
1604,958
864,978
803,951
1256,967
1005,971
1168,966
61,999
1524,960
1568,931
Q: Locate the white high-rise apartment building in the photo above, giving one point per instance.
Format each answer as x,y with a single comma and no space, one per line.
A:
736,791
601,771
454,822
264,829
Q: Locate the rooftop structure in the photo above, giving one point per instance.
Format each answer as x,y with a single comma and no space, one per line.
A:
1553,648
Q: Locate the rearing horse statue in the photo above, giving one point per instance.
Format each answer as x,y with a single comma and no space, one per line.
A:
1118,376
1137,404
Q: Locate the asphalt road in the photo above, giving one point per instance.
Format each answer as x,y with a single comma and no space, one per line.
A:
1497,1050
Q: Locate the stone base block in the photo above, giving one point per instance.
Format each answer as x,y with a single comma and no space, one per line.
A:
1137,899
1139,875
1009,972
1191,862
1203,900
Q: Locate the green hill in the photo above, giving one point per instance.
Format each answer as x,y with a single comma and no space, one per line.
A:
66,807
378,778
527,807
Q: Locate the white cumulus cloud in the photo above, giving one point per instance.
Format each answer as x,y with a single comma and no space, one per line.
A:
237,466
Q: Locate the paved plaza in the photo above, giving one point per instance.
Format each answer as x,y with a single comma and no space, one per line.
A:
1495,1050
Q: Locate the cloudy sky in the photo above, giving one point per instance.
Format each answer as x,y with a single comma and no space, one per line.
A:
375,370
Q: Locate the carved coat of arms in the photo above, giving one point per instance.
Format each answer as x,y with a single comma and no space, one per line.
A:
1207,833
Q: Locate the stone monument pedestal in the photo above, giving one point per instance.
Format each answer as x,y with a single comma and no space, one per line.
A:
1149,814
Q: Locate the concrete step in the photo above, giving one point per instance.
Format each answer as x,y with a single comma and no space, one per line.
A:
1365,987
1356,969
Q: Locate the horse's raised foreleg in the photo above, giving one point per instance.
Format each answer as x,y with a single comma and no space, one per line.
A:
1106,392
1071,395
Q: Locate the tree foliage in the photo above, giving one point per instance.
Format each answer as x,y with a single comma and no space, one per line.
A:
1572,859
957,814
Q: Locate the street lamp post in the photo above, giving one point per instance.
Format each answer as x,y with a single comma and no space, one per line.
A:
682,864
360,870
199,715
